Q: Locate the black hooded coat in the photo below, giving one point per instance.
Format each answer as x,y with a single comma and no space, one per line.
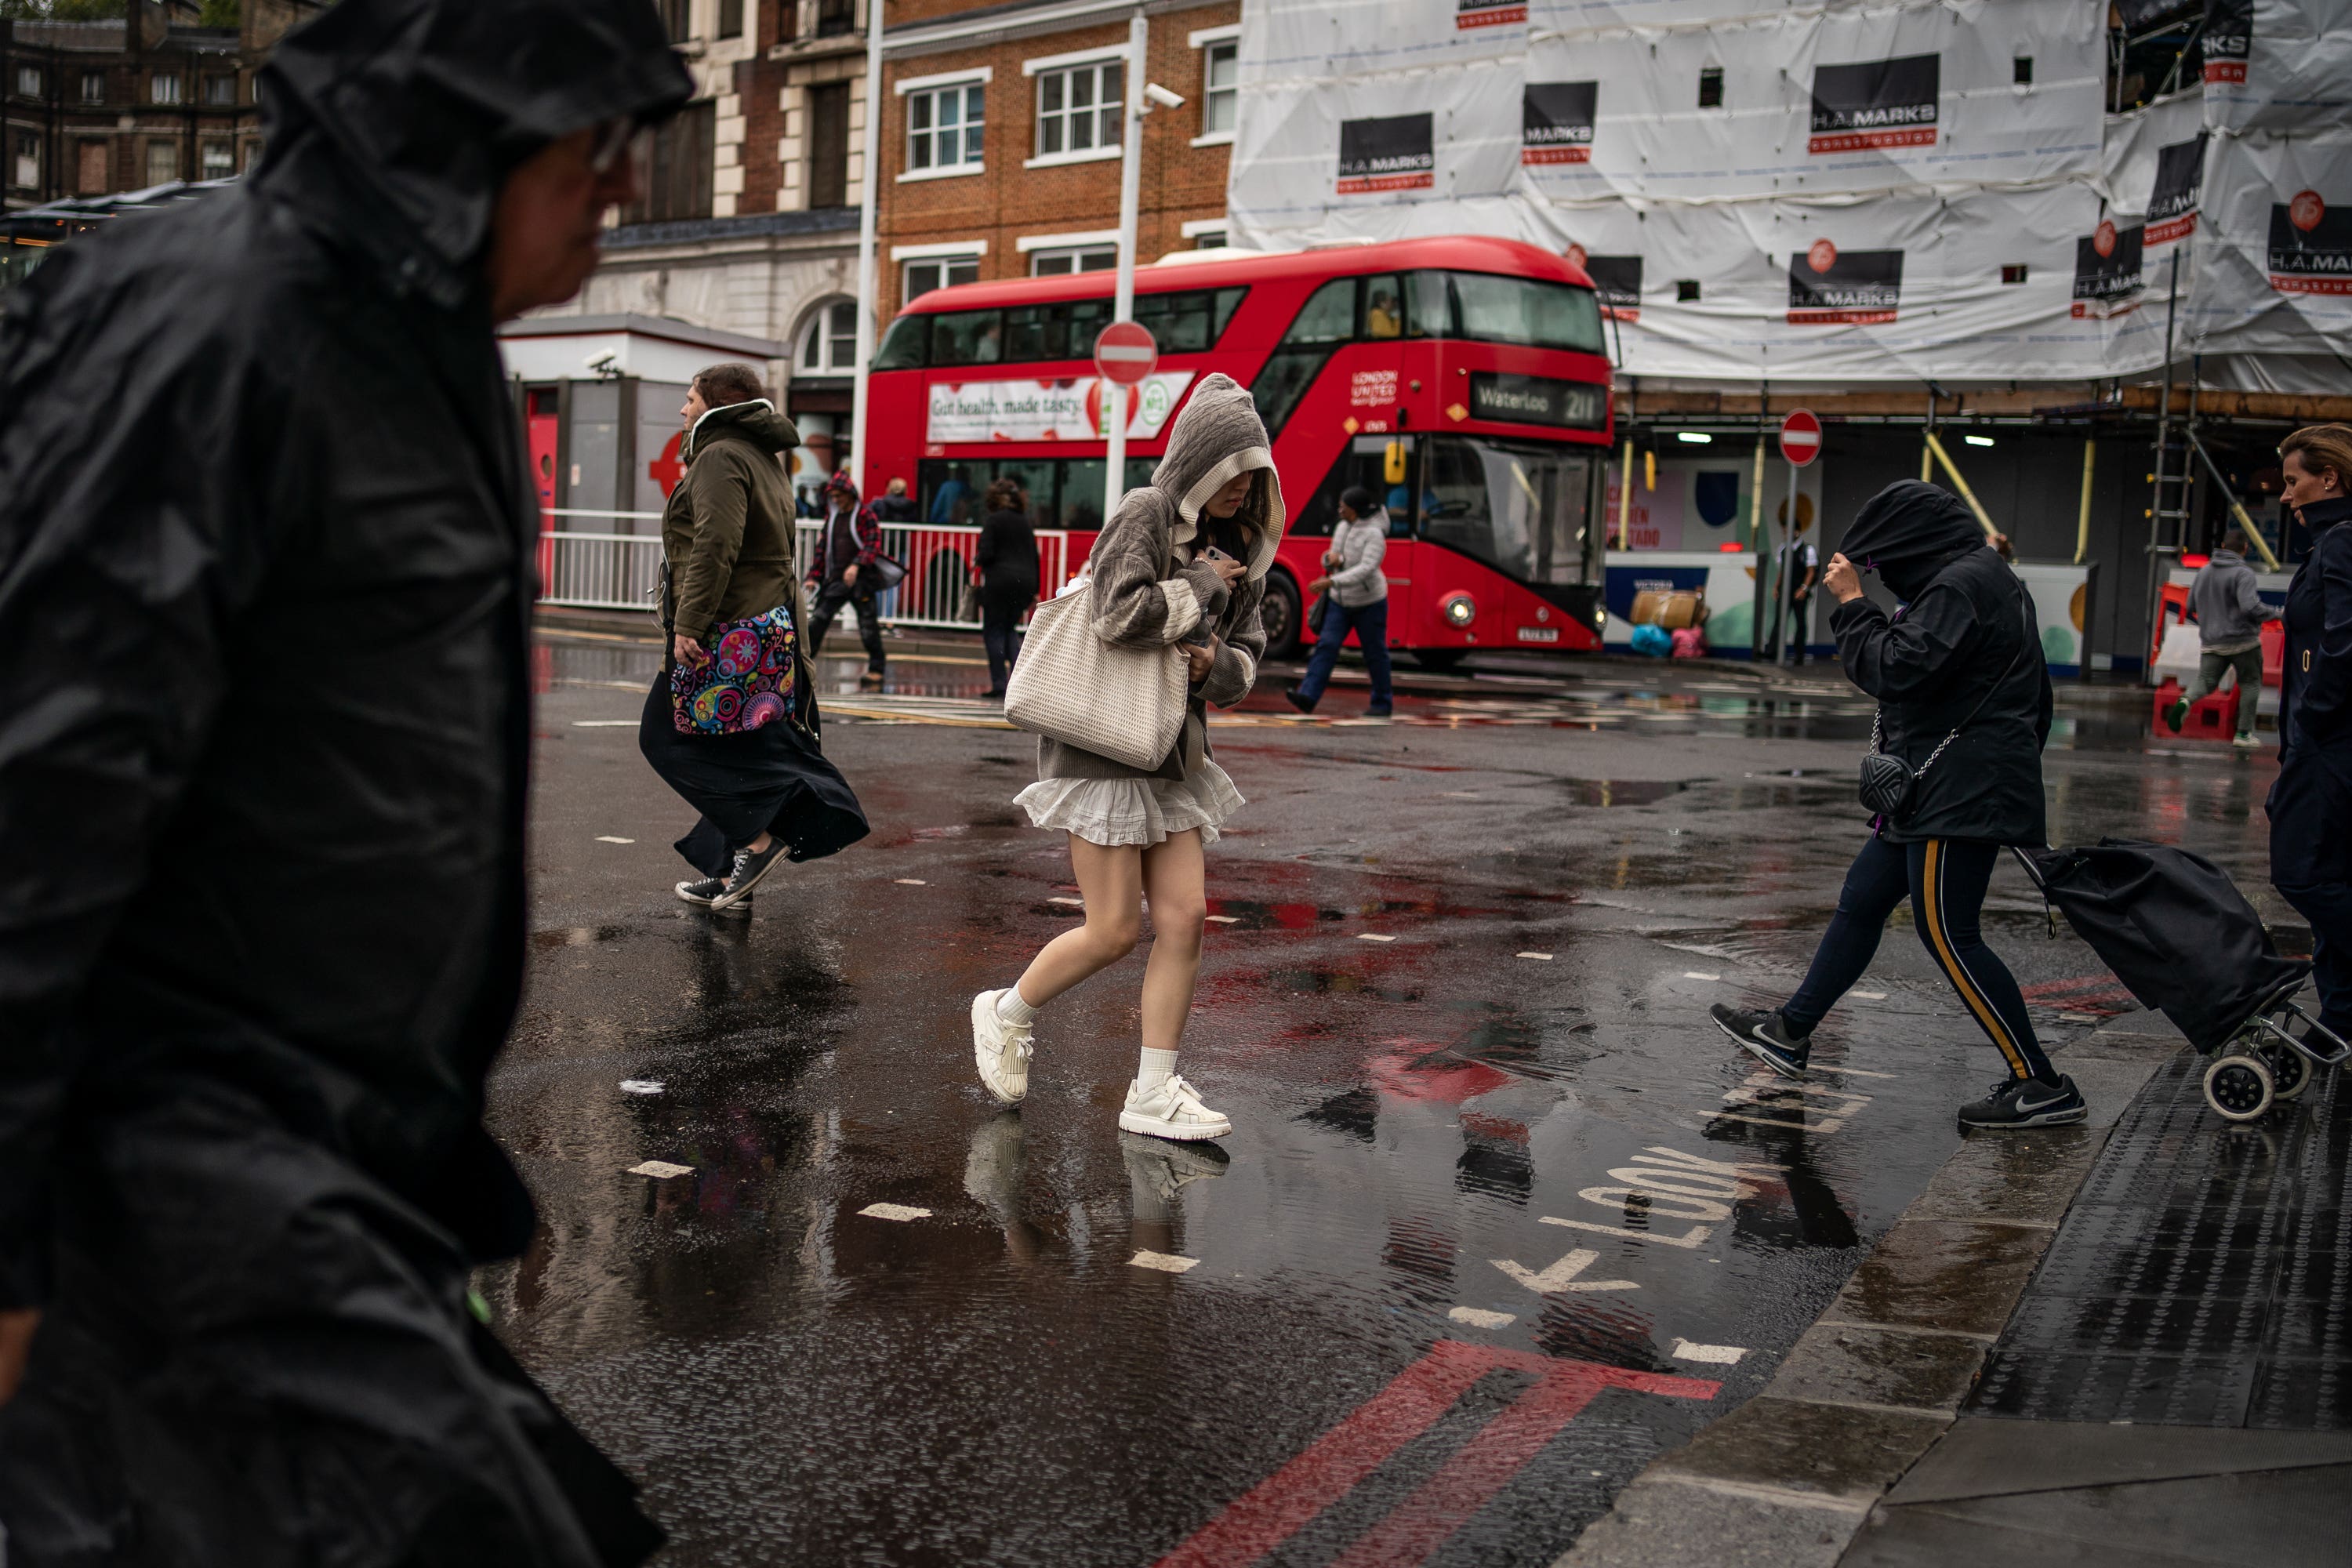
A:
1965,635
264,582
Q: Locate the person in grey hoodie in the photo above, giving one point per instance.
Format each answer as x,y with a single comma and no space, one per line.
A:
1359,602
2230,613
1181,562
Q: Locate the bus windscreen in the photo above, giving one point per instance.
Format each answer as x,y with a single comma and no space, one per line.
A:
1525,511
1524,310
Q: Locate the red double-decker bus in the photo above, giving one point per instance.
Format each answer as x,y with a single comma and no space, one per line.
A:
1463,379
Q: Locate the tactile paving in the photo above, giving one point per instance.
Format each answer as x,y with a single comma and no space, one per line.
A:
2202,1277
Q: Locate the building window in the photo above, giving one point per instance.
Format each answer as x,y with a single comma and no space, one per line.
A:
163,162
163,89
835,17
220,161
731,18
28,80
938,272
1710,88
1209,239
943,127
220,91
678,19
90,169
680,157
93,87
25,167
828,145
1068,258
1220,87
1077,108
829,341
2012,272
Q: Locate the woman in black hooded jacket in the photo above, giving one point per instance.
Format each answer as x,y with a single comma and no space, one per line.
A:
1965,701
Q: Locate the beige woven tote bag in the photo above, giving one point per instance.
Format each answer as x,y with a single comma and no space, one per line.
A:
1124,703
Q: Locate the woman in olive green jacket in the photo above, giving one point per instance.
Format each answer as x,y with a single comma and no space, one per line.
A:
765,794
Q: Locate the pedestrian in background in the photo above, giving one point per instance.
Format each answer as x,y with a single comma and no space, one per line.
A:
843,572
1965,704
266,590
751,764
1358,601
895,505
2230,612
2310,804
1186,554
1801,569
1005,566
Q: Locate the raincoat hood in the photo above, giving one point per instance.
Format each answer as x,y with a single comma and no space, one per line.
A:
1218,435
1909,532
756,422
395,122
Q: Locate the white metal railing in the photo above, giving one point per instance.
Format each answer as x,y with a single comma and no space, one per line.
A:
623,571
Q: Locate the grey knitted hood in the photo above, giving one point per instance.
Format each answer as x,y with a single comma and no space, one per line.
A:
1218,435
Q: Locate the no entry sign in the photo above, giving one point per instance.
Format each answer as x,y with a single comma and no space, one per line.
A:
1126,354
1800,437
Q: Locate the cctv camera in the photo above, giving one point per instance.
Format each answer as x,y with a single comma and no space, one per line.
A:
602,362
1162,96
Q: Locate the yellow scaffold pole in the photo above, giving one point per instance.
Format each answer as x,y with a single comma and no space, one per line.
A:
1625,500
1961,485
2083,517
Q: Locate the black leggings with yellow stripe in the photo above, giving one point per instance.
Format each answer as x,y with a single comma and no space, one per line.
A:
1945,879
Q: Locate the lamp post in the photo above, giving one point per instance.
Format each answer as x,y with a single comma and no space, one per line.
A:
1142,95
867,199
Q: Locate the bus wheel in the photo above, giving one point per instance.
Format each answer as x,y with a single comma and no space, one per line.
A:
1279,616
1439,658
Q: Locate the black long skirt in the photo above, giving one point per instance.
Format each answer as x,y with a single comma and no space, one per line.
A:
768,780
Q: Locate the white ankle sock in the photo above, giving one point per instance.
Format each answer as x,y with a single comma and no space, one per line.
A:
1012,1009
1157,1068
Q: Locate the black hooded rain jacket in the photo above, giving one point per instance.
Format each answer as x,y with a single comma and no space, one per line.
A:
265,580
1965,634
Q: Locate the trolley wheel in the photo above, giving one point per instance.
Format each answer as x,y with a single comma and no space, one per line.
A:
2240,1086
2290,1073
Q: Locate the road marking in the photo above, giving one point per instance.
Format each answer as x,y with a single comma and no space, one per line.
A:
1285,1502
1845,1072
641,1086
1544,957
1721,1355
1697,975
660,1170
1477,1318
1167,1263
1562,1275
910,882
1695,1236
1370,936
2079,1018
608,839
1081,903
604,723
1447,794
1226,919
894,1211
1868,995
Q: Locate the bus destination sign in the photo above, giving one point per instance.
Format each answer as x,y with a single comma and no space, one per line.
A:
1538,400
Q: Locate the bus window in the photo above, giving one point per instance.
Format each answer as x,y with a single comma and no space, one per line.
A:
1038,332
1325,321
1328,317
1524,310
907,346
968,337
1363,464
1190,322
1525,511
1383,307
1429,312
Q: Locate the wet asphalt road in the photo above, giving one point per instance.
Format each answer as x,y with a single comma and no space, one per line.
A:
1503,1215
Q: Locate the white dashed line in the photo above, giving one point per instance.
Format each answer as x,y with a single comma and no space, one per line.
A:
1478,1318
1227,919
1721,1355
894,1211
2078,1017
910,882
1696,975
603,723
1867,996
608,839
1079,904
1544,957
1166,1263
1459,795
641,1086
1372,936
660,1170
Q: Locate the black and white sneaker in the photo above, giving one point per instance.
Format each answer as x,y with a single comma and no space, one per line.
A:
748,869
706,890
2021,1102
1765,1037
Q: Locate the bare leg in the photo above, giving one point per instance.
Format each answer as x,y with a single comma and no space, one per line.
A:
1175,880
1111,881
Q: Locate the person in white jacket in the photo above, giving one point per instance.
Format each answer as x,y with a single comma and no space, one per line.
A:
1358,601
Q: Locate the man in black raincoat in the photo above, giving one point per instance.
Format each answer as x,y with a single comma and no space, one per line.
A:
264,582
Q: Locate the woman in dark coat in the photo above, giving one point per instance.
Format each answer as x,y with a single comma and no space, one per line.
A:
2310,804
1957,670
765,792
1006,565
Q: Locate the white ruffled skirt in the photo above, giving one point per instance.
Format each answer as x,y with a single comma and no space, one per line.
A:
1114,812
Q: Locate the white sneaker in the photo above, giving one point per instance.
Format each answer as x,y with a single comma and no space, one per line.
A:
2246,743
1170,1109
1001,1051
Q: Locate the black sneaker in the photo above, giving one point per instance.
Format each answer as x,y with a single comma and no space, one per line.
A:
2021,1102
1304,704
748,869
1765,1037
1380,710
706,892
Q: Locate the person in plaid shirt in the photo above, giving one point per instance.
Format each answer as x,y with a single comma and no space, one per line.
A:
844,572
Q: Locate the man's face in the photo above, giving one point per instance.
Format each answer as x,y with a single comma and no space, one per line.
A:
550,214
697,405
837,498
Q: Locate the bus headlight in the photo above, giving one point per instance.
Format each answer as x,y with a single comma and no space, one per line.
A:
1600,619
1459,610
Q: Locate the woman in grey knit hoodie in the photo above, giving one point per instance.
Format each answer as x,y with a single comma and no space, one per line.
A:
1183,561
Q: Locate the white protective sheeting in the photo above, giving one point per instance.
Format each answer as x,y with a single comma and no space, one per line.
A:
1859,190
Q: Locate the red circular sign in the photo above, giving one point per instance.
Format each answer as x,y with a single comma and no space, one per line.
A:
2305,211
2103,240
1800,437
1821,256
1125,352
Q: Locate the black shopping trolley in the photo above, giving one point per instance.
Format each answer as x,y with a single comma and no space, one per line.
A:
2184,941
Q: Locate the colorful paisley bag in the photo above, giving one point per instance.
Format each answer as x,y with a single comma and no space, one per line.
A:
744,680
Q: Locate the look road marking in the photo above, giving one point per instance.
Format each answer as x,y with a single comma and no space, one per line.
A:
1285,1502
1562,1275
894,1211
1167,1263
660,1170
1478,1318
1721,1355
